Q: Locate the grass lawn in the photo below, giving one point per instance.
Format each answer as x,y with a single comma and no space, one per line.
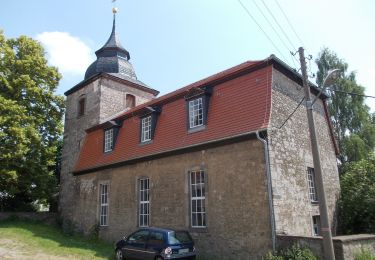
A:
34,240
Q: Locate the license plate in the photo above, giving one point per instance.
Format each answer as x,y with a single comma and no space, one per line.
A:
183,251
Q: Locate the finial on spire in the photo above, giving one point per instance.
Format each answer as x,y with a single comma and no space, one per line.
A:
114,10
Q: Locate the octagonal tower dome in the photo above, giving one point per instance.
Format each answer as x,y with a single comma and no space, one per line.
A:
112,57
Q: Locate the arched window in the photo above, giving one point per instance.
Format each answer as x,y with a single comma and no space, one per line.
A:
130,101
81,105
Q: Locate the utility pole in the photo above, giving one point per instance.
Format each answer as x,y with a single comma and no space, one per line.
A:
324,219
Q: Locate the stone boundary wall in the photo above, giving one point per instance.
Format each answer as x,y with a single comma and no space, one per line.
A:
47,217
345,246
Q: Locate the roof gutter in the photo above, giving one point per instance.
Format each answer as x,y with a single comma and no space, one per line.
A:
269,187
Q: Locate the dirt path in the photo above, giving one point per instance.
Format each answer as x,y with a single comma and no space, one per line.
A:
11,249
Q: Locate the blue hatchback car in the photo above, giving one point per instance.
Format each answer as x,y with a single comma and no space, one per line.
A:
156,244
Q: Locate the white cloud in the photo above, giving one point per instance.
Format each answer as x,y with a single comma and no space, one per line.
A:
70,54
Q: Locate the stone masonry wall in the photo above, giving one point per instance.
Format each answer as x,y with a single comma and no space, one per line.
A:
345,247
238,223
104,98
290,155
113,97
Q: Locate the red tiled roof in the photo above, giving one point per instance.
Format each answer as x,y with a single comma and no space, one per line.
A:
240,103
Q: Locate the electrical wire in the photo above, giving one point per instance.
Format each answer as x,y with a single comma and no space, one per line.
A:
351,93
290,24
299,104
260,27
278,24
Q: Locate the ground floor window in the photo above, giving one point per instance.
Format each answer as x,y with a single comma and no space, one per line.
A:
197,199
316,225
104,205
144,202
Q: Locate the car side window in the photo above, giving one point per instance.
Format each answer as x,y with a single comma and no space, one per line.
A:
139,237
156,238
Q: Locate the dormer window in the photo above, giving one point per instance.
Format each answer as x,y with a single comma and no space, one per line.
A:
130,101
195,112
81,106
197,100
146,129
108,140
148,119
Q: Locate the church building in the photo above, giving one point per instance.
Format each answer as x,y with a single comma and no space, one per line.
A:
220,158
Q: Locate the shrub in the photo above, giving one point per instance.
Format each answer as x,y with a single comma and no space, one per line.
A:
364,254
295,252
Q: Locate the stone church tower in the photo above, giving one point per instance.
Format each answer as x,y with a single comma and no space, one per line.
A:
110,87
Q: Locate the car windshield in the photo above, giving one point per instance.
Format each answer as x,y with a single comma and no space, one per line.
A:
179,237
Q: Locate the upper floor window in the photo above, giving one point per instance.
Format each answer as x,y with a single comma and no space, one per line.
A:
311,182
104,205
198,199
81,106
197,105
146,129
130,101
108,140
148,120
195,112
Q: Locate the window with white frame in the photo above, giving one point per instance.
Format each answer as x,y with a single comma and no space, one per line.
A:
316,225
104,205
146,129
311,182
197,199
108,140
144,202
196,112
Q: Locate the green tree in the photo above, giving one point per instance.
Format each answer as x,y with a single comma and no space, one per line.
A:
358,197
353,124
30,124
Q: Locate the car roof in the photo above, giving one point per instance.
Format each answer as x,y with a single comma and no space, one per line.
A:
160,229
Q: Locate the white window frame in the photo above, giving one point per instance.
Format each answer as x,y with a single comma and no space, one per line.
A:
146,128
196,112
108,140
144,202
104,204
311,183
316,225
198,197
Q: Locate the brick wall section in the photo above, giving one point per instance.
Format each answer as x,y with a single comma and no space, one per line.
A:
290,155
101,95
236,199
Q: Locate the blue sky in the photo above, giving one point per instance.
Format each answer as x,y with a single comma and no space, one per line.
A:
176,42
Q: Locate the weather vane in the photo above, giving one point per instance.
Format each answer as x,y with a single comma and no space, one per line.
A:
114,9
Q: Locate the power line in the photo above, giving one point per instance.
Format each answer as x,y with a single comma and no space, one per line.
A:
290,24
281,28
260,27
299,104
273,28
351,93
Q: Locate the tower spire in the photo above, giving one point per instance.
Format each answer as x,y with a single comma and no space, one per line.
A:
112,57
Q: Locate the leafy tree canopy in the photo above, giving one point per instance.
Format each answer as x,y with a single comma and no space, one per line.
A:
30,123
352,121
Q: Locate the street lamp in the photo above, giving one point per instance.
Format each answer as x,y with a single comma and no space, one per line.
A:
329,253
332,75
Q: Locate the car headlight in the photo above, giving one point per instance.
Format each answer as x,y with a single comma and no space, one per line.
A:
168,251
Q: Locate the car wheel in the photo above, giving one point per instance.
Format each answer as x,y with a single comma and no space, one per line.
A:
119,255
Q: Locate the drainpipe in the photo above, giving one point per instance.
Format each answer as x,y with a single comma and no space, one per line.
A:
269,186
